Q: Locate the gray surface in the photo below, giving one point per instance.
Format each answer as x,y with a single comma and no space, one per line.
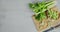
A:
15,16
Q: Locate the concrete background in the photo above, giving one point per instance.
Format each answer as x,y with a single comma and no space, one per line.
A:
15,16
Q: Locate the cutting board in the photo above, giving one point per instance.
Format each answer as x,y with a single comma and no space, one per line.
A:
47,22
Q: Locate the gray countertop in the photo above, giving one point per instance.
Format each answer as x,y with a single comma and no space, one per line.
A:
15,16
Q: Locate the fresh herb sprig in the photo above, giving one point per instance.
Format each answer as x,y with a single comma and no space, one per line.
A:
53,14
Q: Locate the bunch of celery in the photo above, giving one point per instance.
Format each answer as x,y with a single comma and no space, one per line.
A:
39,8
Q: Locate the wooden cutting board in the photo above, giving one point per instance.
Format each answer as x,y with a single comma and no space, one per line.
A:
47,22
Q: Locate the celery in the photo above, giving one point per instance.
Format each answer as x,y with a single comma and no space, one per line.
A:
39,9
40,16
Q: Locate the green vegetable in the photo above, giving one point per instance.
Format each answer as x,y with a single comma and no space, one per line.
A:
40,16
53,14
39,8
